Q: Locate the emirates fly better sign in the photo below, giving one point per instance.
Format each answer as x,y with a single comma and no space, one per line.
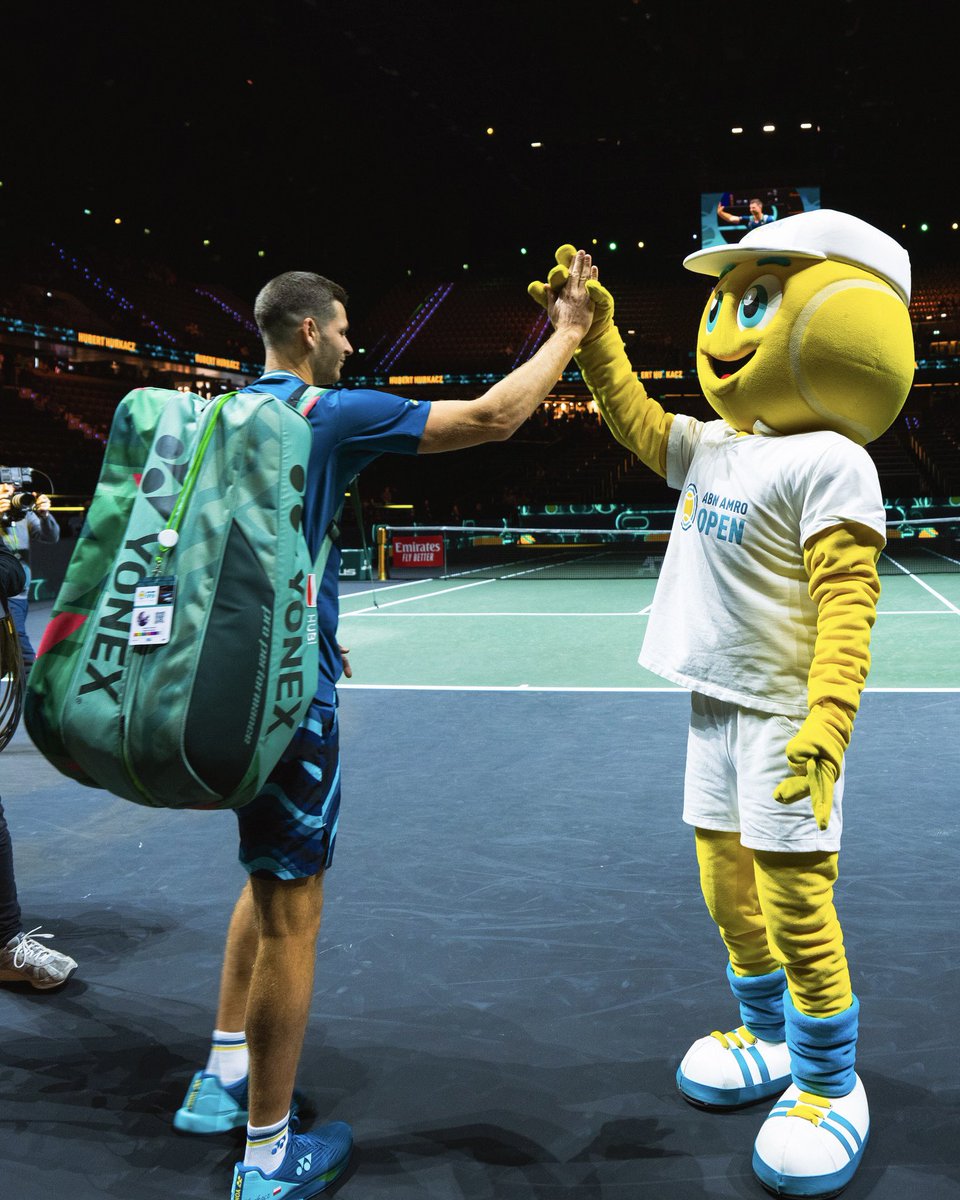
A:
418,552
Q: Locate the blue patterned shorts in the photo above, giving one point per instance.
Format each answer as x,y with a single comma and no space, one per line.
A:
288,830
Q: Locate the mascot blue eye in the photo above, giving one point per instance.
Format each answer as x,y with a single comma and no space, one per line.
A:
713,311
760,302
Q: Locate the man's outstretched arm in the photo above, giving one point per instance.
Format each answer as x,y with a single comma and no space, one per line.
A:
499,413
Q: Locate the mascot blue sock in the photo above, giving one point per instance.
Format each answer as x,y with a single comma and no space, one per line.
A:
761,1000
822,1049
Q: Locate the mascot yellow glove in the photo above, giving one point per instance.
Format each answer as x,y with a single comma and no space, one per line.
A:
841,565
603,301
635,420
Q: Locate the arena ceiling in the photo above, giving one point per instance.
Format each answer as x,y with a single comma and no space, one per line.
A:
352,137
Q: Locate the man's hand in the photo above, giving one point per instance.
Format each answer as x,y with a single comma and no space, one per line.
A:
42,506
570,305
566,258
344,651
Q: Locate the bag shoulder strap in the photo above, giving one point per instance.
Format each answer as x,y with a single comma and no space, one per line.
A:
303,400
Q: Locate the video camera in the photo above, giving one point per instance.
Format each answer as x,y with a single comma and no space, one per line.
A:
24,497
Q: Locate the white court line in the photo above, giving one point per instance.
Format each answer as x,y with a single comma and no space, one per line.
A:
371,612
917,579
526,687
915,612
482,687
921,691
413,599
643,612
386,588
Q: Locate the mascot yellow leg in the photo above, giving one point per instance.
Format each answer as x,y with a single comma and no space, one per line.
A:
796,897
750,1063
813,1139
788,972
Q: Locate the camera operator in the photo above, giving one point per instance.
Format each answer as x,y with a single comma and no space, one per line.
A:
22,958
25,518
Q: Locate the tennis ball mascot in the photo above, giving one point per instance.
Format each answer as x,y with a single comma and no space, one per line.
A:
763,610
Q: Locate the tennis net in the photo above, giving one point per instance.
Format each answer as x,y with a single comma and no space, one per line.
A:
913,547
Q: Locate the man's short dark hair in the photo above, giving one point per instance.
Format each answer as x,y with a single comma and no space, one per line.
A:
286,301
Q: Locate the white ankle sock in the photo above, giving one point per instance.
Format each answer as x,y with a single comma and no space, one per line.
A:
228,1058
266,1146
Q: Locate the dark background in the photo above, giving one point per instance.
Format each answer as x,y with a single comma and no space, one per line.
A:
350,138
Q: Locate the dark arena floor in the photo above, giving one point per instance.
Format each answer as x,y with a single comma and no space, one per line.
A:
513,958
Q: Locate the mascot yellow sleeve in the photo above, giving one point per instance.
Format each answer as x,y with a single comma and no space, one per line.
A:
635,420
842,567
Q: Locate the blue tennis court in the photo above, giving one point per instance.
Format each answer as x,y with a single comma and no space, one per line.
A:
514,953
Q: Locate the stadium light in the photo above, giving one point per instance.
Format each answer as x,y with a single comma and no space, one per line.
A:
737,129
611,245
489,131
769,128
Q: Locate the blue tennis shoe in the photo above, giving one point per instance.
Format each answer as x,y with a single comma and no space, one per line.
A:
311,1163
214,1107
211,1106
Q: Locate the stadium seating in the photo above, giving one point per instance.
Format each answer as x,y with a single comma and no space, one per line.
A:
454,328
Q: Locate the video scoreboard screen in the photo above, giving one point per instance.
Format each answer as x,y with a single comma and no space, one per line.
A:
726,216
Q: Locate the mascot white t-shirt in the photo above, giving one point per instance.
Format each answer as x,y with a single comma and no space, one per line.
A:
732,616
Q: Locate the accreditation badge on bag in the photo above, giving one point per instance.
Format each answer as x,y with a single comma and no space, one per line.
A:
152,618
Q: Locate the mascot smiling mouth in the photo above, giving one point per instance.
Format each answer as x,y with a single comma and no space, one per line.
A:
724,368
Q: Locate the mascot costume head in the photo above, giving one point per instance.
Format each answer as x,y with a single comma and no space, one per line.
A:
807,327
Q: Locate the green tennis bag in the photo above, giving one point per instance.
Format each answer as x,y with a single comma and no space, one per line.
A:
181,652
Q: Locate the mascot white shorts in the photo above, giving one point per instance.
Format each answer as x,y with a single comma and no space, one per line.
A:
735,759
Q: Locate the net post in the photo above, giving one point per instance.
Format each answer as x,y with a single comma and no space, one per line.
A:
381,552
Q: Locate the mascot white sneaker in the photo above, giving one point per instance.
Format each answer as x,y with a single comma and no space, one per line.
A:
729,1070
817,1152
763,611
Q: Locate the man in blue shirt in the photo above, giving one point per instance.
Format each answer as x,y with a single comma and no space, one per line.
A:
288,832
755,217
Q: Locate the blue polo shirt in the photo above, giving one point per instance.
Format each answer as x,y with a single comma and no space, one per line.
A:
350,429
